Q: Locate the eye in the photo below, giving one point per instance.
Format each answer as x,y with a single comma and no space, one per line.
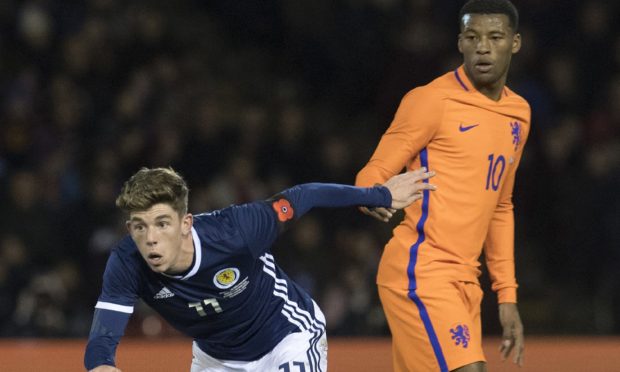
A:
138,227
163,224
471,38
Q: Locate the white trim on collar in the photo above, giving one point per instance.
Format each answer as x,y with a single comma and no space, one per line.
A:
197,252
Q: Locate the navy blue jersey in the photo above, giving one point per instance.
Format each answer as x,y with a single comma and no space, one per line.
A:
234,300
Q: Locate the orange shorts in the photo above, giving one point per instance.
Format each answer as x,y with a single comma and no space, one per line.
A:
436,327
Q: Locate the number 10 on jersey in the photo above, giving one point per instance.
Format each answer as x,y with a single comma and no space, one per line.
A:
496,171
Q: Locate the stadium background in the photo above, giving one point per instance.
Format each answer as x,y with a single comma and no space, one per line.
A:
245,98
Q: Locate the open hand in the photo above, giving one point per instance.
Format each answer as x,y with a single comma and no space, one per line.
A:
405,188
408,187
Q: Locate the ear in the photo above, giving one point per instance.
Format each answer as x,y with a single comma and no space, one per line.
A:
516,43
128,225
460,38
186,224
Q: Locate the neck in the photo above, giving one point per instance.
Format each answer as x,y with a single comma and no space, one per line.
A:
187,250
186,256
493,90
494,93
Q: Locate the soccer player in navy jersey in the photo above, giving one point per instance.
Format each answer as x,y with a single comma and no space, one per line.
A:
212,275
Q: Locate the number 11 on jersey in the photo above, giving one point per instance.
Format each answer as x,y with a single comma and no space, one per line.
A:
209,301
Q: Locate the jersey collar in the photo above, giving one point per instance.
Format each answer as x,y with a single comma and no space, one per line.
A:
463,80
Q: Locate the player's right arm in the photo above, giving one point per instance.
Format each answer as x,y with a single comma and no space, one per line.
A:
107,329
112,312
414,125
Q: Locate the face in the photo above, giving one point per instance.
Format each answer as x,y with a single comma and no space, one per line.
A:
159,233
487,43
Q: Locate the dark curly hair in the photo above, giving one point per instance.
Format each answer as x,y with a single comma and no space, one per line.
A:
492,7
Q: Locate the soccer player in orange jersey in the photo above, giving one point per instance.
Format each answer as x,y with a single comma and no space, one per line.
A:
470,129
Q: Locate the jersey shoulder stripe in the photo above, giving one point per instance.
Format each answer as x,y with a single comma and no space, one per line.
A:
114,307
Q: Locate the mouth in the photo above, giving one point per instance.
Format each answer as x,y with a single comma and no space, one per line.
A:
155,259
483,67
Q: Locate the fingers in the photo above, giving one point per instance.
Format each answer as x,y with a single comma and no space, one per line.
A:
417,192
421,174
519,346
518,358
506,347
409,178
381,214
510,342
405,189
418,175
507,342
425,186
512,336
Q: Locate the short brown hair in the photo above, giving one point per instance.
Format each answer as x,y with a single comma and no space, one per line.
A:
153,186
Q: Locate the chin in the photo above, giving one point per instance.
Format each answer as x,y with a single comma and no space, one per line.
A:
159,269
484,80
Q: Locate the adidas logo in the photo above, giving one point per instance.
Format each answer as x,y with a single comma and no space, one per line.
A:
163,293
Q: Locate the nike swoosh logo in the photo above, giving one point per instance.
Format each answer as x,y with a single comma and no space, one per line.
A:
466,128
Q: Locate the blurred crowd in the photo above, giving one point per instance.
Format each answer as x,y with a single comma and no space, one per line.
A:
246,98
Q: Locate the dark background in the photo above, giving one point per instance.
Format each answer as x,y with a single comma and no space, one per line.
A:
246,98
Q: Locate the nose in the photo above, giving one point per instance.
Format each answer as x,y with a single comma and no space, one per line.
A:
483,46
151,238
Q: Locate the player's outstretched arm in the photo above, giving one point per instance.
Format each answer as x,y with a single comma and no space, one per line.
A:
105,369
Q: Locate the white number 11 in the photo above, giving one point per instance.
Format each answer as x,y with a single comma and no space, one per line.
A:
209,301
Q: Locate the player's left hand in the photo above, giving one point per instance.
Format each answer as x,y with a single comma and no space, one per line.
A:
512,337
408,187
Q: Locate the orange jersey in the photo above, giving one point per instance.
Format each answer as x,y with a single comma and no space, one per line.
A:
474,145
